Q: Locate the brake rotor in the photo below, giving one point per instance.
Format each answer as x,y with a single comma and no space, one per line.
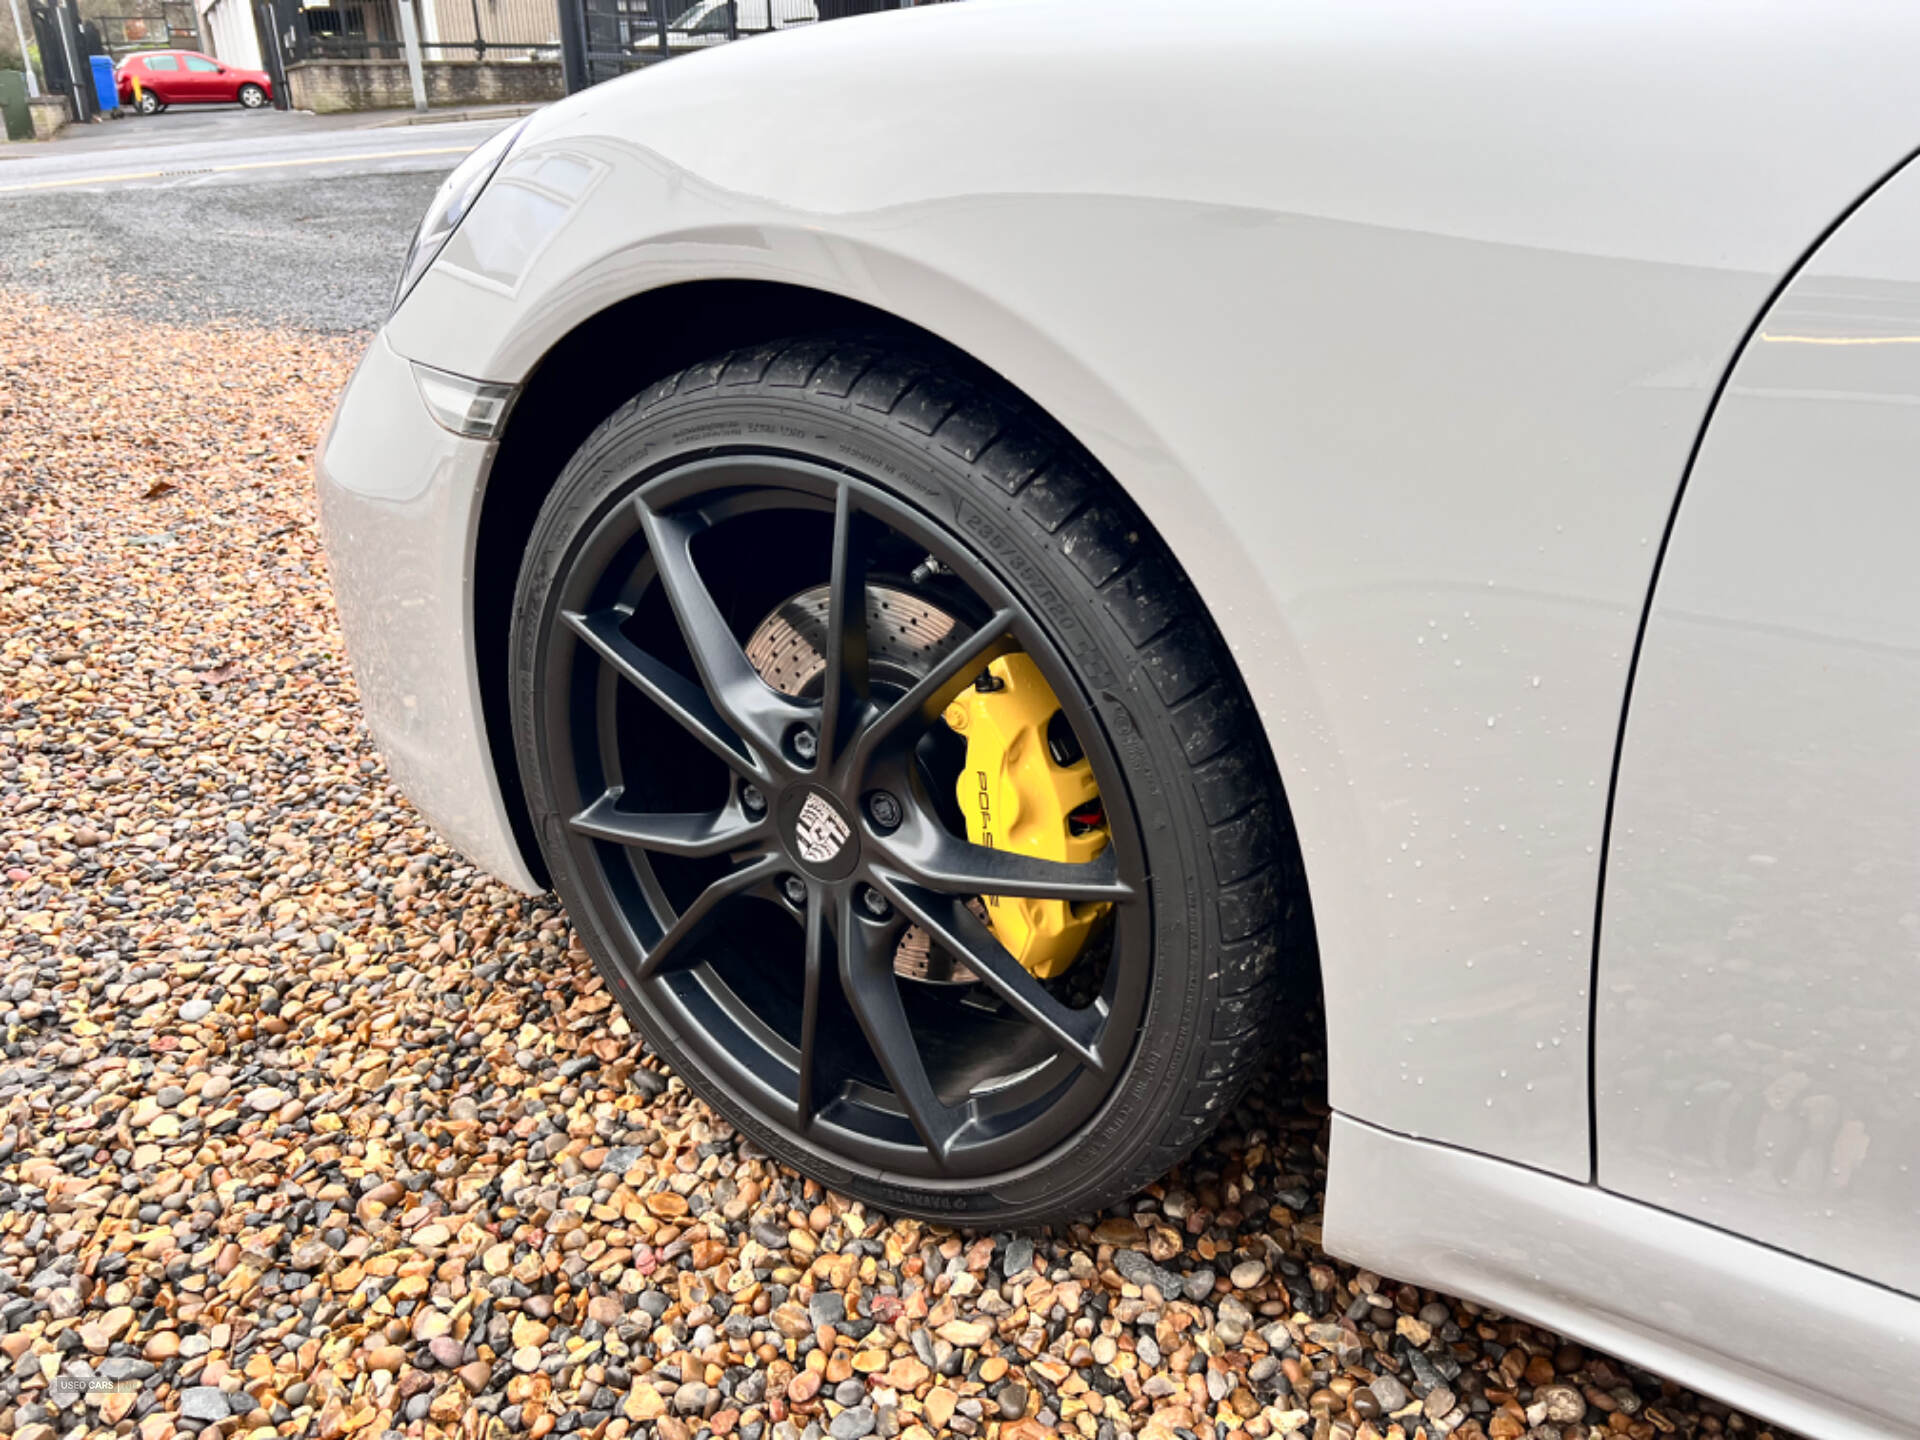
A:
906,637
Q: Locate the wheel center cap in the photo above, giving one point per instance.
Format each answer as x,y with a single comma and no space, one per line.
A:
819,834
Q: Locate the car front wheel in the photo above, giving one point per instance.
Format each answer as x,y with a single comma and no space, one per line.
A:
898,783
252,96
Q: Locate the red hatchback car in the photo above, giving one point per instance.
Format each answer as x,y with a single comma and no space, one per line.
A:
154,79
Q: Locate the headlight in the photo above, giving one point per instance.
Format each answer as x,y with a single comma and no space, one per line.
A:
450,204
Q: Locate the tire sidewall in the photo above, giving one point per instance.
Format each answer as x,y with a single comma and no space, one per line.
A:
640,444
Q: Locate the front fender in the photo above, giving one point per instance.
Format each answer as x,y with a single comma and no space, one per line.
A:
1399,323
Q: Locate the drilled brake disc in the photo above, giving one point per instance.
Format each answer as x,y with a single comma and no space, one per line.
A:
906,638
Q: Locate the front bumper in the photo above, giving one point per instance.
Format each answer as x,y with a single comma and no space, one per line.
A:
400,507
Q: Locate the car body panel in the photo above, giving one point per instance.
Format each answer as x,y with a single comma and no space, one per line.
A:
1400,324
1700,1306
1758,1043
399,501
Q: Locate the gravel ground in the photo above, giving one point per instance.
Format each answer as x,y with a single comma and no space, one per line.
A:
322,255
308,1128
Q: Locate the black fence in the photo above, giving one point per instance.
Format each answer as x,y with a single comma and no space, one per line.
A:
502,30
605,38
596,39
172,29
67,45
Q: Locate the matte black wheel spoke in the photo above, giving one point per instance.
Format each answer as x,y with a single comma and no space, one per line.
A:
670,951
751,706
791,895
867,980
933,859
956,928
934,691
683,700
710,832
844,698
819,958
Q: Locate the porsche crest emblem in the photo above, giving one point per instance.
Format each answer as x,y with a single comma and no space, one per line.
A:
821,831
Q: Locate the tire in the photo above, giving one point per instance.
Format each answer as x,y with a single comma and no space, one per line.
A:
149,103
1221,911
252,96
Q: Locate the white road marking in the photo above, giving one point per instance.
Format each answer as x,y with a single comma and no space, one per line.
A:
226,169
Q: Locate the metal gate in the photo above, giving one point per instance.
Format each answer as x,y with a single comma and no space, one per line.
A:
600,39
273,26
67,44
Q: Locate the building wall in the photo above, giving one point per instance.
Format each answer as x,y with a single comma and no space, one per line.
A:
332,86
510,23
231,34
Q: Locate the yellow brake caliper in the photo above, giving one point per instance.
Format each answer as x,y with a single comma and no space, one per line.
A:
1017,794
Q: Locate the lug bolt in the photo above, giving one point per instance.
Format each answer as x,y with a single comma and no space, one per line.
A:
795,888
874,903
883,810
806,746
752,801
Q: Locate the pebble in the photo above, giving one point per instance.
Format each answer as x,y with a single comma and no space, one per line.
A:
852,1424
1019,1256
1137,1269
1392,1395
294,1098
1562,1404
204,1402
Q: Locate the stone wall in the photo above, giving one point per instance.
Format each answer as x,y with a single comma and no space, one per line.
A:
51,114
331,86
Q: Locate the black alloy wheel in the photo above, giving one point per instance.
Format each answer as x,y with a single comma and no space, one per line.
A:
734,644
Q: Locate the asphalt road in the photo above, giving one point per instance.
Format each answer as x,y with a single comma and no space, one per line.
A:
203,216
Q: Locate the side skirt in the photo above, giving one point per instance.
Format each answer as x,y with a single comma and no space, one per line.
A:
1728,1317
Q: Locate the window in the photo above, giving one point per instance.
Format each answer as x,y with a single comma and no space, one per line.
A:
162,62
202,65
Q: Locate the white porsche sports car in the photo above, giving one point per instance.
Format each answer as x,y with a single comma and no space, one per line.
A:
990,554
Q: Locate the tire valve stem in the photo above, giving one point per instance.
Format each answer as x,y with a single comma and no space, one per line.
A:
927,569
